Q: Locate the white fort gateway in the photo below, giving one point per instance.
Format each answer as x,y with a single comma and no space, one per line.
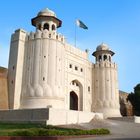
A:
45,72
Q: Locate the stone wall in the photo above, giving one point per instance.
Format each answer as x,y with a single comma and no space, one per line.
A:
126,108
49,116
3,89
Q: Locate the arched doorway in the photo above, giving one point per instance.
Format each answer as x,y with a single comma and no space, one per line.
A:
77,89
46,26
73,101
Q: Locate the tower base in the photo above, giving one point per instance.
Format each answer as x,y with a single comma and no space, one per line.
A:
108,112
31,103
48,116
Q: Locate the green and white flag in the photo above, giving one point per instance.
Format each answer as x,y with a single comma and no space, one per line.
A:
81,24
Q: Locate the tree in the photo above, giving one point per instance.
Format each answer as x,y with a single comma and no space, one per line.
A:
134,98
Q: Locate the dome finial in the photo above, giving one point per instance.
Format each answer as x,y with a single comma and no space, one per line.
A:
46,12
102,46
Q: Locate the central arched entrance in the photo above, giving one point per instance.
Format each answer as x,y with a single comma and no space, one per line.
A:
75,95
73,101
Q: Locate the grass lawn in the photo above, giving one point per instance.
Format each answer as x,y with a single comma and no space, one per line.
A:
9,129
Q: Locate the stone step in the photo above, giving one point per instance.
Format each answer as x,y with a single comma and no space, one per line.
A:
127,119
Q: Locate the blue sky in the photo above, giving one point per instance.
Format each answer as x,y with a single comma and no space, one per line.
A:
114,22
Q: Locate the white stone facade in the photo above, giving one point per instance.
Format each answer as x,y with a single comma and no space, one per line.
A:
46,71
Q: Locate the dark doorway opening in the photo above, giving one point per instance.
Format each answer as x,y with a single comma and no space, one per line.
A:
73,101
46,26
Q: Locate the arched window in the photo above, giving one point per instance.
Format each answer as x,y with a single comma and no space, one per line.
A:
39,26
53,27
100,57
105,57
46,26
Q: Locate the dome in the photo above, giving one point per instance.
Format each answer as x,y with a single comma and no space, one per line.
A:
46,12
102,47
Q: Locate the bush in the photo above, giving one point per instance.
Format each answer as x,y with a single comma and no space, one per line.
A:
17,129
27,132
134,98
57,132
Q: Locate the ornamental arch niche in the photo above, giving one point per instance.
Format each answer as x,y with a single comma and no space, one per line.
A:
76,96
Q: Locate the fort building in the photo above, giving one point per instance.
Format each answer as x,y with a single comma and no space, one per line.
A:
47,72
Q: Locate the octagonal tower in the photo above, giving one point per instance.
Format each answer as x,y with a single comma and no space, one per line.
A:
43,70
106,92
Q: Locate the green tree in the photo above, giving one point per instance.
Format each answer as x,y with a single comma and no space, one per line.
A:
134,98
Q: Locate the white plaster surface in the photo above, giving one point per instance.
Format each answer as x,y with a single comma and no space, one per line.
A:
137,119
44,69
49,116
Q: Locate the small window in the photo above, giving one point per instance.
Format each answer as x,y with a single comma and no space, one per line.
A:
105,57
70,66
53,27
49,35
77,84
81,69
72,82
100,57
13,67
56,36
43,78
88,88
46,26
76,68
44,56
12,82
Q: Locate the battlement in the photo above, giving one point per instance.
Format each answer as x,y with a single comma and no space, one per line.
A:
46,34
22,35
76,51
105,64
19,34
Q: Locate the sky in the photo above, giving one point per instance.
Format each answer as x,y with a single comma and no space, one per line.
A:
114,22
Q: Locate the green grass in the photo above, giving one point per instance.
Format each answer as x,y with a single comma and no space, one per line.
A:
7,129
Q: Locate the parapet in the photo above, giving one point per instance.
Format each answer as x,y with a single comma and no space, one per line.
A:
105,65
46,34
19,34
76,51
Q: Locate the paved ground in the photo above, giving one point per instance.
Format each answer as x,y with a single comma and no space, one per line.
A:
121,129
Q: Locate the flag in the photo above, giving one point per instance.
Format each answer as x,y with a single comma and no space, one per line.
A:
81,24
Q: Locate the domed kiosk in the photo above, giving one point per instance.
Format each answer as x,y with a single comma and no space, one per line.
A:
46,19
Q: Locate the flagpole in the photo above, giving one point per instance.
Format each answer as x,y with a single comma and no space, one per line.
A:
81,25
